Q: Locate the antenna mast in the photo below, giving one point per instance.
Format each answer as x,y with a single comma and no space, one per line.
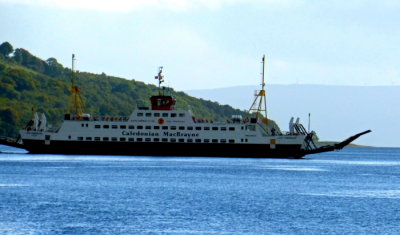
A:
259,105
160,78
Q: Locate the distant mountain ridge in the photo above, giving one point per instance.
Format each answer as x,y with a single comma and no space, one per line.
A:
336,111
28,83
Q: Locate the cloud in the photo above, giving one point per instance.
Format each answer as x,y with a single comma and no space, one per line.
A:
134,5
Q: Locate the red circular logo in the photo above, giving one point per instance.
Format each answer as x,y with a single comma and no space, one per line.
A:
161,121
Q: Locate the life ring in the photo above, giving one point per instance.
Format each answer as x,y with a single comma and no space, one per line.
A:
161,121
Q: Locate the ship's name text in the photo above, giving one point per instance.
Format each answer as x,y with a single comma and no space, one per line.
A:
165,134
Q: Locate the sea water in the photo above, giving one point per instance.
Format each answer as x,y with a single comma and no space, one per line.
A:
353,191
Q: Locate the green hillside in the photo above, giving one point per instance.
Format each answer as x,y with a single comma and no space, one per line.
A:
28,83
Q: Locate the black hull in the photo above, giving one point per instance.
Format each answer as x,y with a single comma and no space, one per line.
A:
164,149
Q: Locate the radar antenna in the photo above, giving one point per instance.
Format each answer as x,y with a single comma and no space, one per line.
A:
160,78
259,105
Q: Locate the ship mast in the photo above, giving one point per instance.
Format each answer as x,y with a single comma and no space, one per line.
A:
259,105
76,105
160,78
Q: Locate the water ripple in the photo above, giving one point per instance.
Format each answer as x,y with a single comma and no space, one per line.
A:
388,194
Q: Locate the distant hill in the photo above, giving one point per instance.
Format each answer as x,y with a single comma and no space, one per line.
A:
336,111
28,83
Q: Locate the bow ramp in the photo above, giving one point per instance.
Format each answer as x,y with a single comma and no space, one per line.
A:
338,146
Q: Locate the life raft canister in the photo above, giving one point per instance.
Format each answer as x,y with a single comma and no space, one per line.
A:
161,121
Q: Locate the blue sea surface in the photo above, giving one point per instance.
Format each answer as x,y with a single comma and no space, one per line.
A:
353,191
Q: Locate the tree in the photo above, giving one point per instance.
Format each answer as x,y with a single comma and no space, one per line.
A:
53,68
6,49
9,116
26,59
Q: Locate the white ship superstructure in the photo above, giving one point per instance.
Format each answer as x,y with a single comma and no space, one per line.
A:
164,126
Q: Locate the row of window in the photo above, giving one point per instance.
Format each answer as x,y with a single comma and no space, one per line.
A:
123,139
189,128
161,115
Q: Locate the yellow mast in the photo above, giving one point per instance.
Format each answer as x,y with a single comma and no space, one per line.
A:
76,104
260,102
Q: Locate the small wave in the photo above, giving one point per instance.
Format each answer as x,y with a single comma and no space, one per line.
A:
59,167
13,151
14,185
16,228
295,168
365,163
184,231
389,194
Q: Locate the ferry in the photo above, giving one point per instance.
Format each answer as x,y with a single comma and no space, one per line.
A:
163,130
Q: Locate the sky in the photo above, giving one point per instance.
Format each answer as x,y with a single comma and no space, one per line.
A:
205,44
